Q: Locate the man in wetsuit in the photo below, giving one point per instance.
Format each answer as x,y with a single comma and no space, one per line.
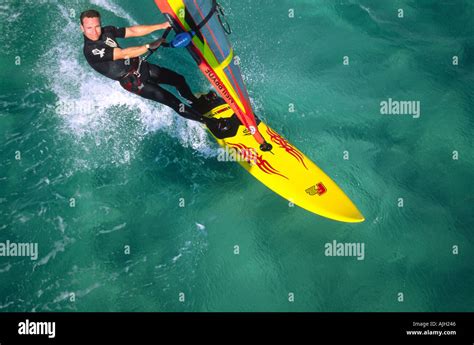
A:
106,56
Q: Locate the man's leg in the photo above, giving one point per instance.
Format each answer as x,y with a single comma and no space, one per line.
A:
160,75
158,94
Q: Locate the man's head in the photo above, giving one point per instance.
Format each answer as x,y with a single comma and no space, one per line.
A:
90,24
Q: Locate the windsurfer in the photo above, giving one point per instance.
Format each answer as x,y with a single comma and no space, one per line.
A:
106,56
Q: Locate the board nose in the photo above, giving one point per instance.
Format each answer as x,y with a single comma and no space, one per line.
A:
349,213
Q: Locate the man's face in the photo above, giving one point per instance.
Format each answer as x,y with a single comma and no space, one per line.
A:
91,28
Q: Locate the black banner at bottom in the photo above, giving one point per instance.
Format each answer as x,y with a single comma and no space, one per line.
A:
236,328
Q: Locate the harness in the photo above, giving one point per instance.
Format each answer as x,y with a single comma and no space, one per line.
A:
132,80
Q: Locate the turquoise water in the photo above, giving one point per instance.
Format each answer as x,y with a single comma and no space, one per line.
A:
129,164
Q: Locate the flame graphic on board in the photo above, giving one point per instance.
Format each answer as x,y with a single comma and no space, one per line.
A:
284,144
251,156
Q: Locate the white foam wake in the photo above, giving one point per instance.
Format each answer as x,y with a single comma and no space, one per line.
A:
114,8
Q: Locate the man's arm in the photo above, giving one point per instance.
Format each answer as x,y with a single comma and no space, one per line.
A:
129,53
133,52
143,30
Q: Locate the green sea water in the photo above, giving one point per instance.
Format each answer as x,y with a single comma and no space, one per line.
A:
100,186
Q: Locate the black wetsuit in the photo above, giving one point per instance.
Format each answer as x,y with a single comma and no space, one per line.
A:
99,54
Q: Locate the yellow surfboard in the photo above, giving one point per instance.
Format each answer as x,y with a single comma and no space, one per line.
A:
285,169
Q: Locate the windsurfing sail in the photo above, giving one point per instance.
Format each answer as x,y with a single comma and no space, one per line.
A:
213,53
